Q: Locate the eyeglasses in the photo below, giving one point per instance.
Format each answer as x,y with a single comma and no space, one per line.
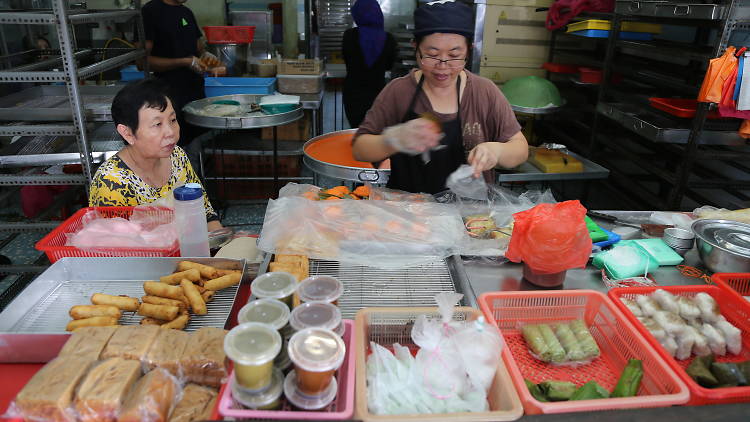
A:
434,61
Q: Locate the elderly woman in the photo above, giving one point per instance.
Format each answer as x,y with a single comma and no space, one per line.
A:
151,164
440,115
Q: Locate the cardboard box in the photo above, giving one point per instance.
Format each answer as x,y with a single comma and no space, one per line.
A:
300,67
295,131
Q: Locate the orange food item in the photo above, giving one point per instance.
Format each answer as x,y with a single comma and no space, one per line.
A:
339,191
313,196
394,226
334,212
362,191
332,198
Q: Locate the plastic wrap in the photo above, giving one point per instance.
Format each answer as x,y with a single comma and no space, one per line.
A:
374,233
713,213
561,343
99,397
203,361
144,229
152,398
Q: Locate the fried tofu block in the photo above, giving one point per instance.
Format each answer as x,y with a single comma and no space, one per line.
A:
102,393
88,342
151,398
167,350
131,341
194,404
49,393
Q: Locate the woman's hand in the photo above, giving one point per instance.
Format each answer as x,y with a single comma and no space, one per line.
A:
413,137
484,156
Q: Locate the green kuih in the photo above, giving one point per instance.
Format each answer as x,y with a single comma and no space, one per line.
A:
558,390
585,339
700,372
728,374
589,391
535,391
630,379
535,341
569,342
556,352
745,368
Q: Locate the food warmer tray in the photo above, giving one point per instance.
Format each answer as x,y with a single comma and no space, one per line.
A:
35,320
527,172
341,172
666,9
366,287
50,103
248,121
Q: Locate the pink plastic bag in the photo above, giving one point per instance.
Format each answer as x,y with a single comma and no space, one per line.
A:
551,238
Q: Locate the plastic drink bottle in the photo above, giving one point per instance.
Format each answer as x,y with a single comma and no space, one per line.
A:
190,216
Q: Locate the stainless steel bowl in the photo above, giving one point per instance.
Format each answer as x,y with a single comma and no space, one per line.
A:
723,245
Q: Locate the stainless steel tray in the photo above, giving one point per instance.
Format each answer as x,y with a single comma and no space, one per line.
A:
657,128
33,324
666,9
366,287
527,172
249,121
50,103
356,174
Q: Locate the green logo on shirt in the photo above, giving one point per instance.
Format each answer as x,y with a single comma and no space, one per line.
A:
184,22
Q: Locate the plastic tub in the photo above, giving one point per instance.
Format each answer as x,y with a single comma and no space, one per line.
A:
624,35
605,25
131,73
594,76
53,244
386,326
274,285
303,401
734,282
341,408
252,347
229,34
616,337
267,311
300,84
316,354
320,288
680,107
269,399
227,86
316,315
732,306
560,68
543,280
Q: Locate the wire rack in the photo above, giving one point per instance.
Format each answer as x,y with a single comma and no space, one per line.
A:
49,314
366,287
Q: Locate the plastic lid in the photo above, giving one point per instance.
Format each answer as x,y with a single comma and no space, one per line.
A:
275,285
316,350
264,398
282,361
188,192
320,288
305,402
252,343
268,311
315,315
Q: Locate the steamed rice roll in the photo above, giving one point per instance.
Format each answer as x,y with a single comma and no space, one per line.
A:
669,344
633,307
688,309
648,305
715,340
654,328
700,346
666,300
671,322
708,306
732,336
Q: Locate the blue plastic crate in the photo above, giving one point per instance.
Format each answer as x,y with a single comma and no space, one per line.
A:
130,73
227,86
624,35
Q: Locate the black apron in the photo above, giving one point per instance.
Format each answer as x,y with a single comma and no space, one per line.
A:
410,173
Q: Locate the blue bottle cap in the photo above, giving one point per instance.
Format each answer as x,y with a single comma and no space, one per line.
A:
188,192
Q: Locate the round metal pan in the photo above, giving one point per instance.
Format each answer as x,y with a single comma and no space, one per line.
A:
342,172
254,121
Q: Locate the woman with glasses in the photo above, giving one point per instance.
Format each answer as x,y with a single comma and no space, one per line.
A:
440,115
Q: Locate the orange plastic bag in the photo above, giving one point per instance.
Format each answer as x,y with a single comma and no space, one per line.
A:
719,70
551,238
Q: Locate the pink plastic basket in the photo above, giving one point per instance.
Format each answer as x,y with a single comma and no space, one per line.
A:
341,408
53,244
617,338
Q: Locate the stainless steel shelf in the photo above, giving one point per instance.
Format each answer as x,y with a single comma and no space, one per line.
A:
527,172
25,226
42,179
51,62
51,103
44,150
668,50
47,129
49,18
671,10
659,129
83,72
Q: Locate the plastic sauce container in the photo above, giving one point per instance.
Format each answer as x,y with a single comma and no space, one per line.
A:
270,399
282,361
302,401
320,288
316,354
275,285
268,311
252,347
317,315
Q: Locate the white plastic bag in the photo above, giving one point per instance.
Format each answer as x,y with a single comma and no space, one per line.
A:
147,227
463,183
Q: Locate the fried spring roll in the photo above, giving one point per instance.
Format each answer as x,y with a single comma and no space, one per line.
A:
192,274
162,312
206,271
126,303
194,296
223,282
99,321
88,311
155,288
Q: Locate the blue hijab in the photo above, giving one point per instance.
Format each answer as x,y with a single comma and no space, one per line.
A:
369,19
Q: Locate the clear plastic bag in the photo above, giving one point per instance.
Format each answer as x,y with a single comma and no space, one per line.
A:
385,194
709,212
148,227
374,233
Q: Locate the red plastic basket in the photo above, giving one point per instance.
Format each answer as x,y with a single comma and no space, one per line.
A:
560,67
229,34
735,282
735,309
341,408
680,107
54,243
617,338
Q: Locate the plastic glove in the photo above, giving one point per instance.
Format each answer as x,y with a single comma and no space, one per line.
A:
413,137
197,66
483,157
209,60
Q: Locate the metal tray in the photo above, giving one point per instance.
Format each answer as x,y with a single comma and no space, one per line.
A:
33,324
658,128
50,103
665,9
356,174
249,121
527,172
366,287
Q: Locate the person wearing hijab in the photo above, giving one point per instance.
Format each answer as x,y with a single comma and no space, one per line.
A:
369,52
440,115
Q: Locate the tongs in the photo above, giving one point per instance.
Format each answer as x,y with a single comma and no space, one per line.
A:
431,117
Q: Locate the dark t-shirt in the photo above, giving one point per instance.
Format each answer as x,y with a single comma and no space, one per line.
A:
358,75
175,34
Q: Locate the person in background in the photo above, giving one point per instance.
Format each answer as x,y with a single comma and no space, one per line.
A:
369,52
176,54
151,164
440,115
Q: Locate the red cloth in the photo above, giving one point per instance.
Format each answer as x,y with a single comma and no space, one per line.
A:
35,199
562,11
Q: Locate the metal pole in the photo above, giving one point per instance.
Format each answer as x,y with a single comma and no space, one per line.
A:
141,34
476,52
275,163
71,70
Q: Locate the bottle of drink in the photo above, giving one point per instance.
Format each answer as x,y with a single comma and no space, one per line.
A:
190,217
